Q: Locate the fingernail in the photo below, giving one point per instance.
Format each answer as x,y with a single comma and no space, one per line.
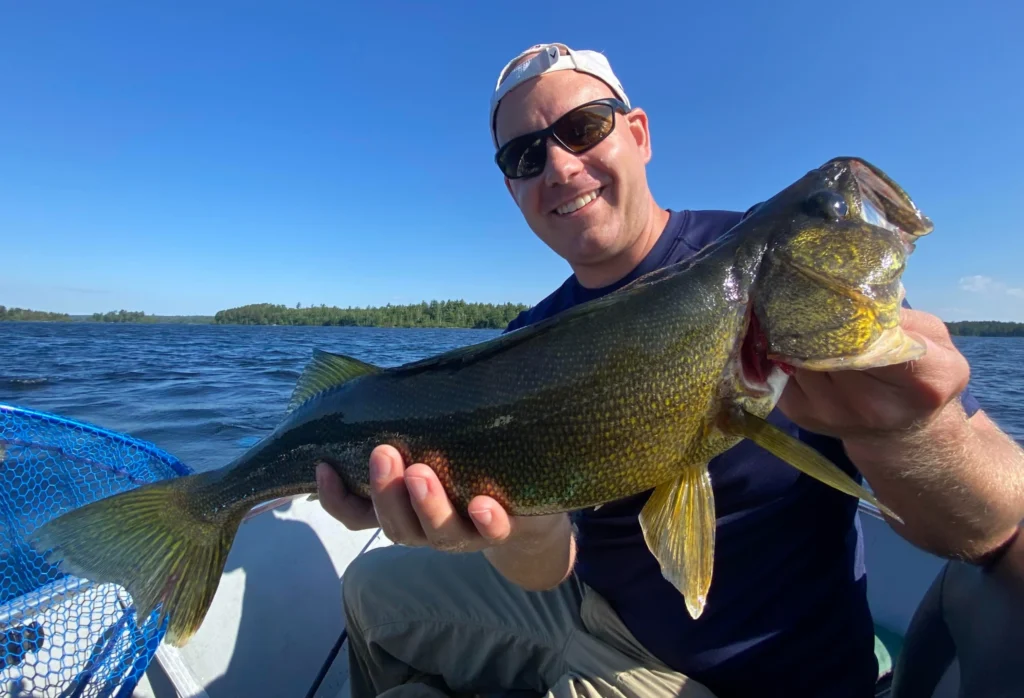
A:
482,515
319,477
313,497
418,487
380,468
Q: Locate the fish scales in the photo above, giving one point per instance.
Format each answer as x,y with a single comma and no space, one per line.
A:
552,424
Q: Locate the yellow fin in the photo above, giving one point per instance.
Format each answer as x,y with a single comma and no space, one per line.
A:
798,454
157,541
678,522
325,371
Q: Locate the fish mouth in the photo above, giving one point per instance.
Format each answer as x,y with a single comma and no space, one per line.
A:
879,201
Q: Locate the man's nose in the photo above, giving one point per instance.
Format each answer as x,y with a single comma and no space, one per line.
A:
562,165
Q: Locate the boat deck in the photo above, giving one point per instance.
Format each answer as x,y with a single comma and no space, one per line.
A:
275,623
276,618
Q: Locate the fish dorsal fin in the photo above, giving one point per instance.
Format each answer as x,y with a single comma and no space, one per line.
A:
327,370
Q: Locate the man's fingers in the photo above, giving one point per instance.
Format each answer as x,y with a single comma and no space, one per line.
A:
918,323
351,510
442,525
490,519
411,506
813,385
390,497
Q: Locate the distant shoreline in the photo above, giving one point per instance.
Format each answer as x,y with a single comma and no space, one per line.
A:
426,315
456,314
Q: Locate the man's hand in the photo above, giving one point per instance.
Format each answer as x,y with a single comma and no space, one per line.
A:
882,403
411,508
958,484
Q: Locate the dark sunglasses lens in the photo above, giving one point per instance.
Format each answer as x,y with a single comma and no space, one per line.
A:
585,127
522,157
580,129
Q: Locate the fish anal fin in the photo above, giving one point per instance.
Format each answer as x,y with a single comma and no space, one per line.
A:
740,422
327,370
678,522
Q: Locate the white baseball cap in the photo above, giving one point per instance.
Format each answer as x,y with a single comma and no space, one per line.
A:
550,58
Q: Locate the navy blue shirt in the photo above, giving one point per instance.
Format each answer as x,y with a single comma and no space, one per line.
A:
787,612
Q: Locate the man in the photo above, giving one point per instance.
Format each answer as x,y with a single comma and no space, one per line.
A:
543,604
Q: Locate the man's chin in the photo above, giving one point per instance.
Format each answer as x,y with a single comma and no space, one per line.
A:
589,244
592,251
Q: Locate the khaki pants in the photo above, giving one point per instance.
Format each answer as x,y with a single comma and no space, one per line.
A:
425,623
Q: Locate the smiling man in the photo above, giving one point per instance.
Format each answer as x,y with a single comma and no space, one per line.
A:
579,606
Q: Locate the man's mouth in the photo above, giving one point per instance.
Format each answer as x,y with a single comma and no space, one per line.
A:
579,202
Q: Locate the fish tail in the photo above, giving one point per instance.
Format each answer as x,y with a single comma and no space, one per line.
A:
158,541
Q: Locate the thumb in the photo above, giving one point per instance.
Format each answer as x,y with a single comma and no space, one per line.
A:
353,511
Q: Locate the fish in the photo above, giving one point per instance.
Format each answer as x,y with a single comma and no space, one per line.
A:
629,393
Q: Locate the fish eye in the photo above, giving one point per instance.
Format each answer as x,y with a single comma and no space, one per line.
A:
828,204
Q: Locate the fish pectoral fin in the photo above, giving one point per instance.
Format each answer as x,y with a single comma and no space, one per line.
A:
678,522
740,422
327,370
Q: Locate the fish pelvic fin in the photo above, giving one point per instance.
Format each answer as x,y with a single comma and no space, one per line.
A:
678,522
154,542
327,370
740,422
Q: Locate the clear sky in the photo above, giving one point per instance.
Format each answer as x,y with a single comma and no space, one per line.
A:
183,157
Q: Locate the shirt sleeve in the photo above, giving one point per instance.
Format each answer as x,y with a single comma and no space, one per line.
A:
969,402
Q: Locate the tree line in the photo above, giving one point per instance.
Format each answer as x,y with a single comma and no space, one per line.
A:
433,314
139,316
119,316
456,313
986,328
24,315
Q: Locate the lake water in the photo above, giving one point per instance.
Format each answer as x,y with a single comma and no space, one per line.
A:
203,393
206,392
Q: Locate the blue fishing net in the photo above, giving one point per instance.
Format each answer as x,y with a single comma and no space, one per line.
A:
61,635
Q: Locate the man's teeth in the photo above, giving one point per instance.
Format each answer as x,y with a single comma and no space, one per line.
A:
578,203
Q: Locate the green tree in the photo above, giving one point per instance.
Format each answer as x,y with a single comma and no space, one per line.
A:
433,314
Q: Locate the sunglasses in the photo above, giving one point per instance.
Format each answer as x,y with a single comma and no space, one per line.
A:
577,131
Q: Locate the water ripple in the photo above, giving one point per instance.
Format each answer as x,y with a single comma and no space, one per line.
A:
203,393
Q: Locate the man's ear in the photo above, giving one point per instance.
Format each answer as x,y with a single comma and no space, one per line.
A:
640,129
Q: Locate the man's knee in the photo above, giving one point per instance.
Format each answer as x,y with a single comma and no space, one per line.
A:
368,577
397,582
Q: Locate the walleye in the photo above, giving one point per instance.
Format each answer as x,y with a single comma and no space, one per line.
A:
632,392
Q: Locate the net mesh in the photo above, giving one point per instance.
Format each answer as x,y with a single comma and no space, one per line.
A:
61,635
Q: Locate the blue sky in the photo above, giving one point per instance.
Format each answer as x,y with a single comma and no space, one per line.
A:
182,157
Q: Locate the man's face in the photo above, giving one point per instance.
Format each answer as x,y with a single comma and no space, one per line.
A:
615,168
